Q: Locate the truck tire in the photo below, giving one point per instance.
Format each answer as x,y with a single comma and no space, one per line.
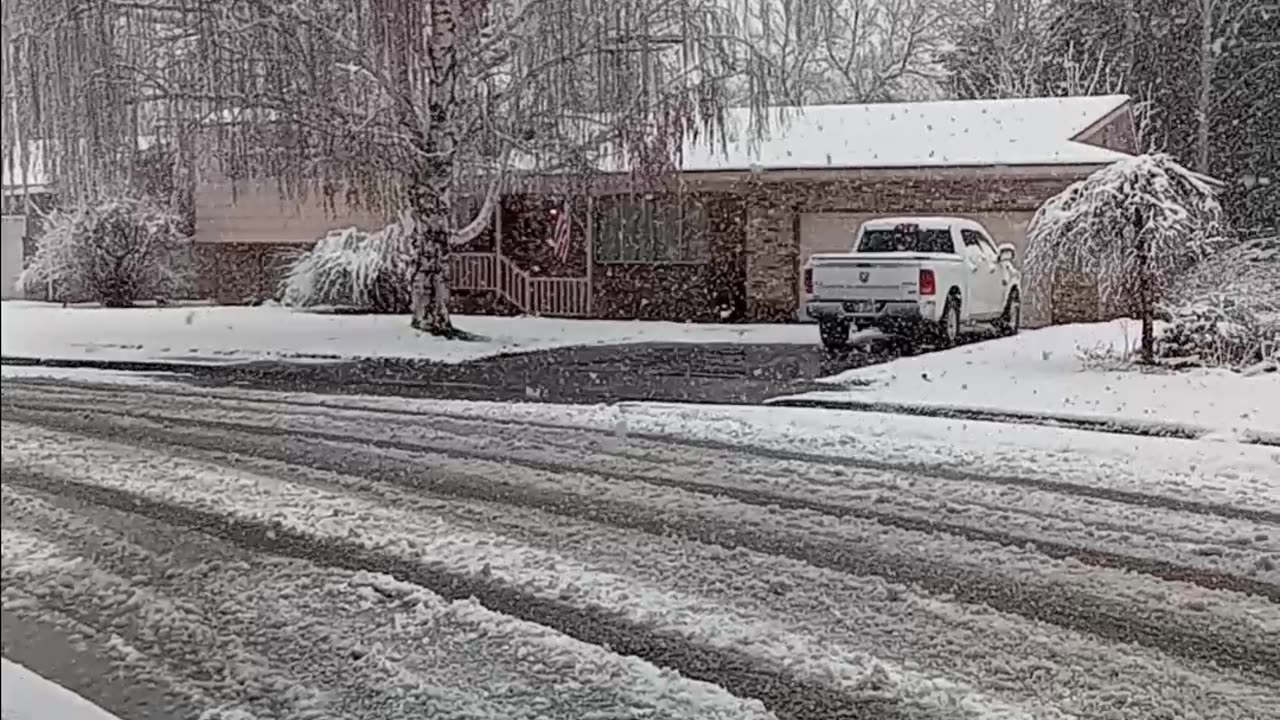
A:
1011,321
949,324
835,334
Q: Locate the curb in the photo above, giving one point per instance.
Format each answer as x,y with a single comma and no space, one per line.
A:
1112,426
122,365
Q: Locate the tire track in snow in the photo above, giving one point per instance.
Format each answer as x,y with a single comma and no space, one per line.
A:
1061,605
1093,525
983,648
781,691
280,426
350,409
47,640
381,643
1193,565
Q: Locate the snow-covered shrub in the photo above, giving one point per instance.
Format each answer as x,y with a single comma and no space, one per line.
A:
1225,312
355,269
1217,330
1105,357
114,252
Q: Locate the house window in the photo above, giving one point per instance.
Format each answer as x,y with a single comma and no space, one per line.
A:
651,229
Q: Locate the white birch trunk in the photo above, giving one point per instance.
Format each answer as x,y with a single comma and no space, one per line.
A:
431,198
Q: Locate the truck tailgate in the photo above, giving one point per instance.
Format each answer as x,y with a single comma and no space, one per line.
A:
849,277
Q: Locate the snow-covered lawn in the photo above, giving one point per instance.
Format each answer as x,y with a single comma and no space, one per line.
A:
27,696
1042,372
211,334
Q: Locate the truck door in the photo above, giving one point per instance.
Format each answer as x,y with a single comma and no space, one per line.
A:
998,282
982,274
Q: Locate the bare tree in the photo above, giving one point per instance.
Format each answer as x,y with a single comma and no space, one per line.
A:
881,50
1220,24
1016,48
396,105
1004,52
786,33
836,51
1135,225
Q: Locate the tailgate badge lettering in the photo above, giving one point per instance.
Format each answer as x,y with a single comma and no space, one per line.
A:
864,276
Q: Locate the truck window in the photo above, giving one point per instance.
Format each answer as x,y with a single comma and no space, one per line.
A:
979,241
922,240
987,248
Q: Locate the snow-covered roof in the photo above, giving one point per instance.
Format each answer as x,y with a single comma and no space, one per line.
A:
953,133
36,179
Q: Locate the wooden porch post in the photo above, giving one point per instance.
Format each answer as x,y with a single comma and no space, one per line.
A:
590,253
497,228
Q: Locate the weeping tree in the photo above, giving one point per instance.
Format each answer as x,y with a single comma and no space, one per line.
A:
1135,226
398,106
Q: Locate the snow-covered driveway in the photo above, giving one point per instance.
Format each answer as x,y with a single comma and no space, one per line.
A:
375,558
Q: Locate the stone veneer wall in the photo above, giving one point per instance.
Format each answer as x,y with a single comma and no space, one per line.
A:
1074,300
772,252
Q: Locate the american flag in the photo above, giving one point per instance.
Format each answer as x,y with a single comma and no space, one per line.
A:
560,234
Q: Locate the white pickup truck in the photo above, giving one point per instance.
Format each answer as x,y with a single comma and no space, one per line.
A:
920,278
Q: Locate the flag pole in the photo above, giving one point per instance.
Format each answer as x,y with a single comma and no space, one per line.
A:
590,252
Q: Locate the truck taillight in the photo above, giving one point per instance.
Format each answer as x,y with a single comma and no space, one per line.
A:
808,281
928,284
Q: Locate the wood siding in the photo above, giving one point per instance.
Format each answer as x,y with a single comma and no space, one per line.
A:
1115,132
254,212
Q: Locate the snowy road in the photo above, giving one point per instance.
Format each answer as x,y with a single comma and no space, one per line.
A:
265,558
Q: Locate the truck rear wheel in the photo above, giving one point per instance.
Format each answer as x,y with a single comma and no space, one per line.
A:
1011,321
949,324
835,334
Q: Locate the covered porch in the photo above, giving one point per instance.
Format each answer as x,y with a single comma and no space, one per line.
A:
608,254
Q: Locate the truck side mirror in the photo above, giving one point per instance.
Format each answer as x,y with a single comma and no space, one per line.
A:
1007,252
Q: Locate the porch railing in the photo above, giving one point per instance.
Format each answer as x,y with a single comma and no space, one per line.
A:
552,296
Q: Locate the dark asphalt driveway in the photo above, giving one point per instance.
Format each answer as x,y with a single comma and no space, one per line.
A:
719,373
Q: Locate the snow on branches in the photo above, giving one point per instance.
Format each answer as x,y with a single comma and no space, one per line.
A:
353,268
114,252
1225,312
1133,227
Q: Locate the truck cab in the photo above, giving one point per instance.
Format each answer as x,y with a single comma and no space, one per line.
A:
924,279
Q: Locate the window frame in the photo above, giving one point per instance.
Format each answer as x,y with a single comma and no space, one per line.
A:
983,244
988,247
692,244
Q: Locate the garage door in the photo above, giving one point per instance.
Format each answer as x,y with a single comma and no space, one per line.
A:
833,232
14,228
825,233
